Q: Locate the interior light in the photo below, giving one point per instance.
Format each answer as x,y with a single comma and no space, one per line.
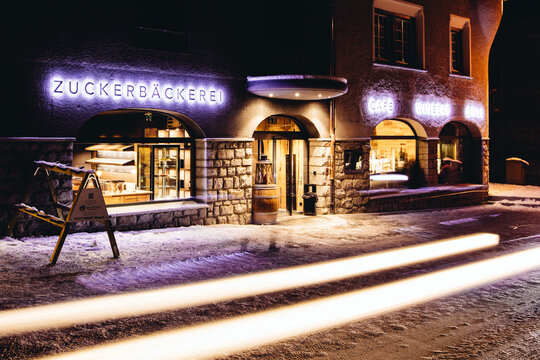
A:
271,95
320,95
297,94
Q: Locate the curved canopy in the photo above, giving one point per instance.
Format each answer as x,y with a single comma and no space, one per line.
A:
297,87
131,122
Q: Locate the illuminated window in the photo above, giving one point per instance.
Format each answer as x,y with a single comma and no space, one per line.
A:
393,148
460,45
398,33
139,156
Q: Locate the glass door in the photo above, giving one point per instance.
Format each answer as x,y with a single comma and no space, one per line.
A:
144,167
165,172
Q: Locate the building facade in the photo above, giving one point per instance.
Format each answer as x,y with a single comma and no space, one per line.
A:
175,104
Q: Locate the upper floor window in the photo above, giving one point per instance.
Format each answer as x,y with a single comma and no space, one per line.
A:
394,39
460,46
398,33
456,49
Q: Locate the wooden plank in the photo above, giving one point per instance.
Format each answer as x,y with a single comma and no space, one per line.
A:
30,210
64,169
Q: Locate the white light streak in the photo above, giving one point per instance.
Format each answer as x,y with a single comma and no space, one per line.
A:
242,333
183,296
389,177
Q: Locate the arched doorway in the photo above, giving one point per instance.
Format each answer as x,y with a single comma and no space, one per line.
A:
394,152
283,140
456,152
140,154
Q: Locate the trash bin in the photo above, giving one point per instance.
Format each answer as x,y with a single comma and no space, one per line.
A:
515,170
310,199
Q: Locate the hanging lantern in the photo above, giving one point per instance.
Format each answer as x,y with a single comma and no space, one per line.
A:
263,171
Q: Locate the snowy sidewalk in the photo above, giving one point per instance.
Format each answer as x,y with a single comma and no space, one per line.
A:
510,194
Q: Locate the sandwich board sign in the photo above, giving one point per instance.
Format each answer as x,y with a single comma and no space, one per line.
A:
90,206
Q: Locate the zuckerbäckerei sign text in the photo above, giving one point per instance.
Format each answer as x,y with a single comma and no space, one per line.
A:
138,91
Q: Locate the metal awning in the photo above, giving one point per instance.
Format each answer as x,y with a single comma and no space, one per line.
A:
297,87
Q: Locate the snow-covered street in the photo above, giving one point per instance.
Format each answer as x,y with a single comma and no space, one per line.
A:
496,321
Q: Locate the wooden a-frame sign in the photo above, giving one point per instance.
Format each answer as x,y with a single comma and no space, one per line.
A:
88,205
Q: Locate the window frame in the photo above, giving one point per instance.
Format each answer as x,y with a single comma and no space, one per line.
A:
391,41
414,15
463,26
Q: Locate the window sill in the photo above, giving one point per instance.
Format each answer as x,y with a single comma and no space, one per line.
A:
153,207
399,67
461,76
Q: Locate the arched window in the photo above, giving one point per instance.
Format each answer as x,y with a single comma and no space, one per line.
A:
393,147
454,156
140,154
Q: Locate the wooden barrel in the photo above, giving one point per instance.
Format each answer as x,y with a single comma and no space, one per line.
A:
265,203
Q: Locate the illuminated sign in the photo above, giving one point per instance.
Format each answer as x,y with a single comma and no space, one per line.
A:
474,111
432,109
61,87
381,105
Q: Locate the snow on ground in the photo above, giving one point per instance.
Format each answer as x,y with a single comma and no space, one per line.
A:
510,194
511,190
493,322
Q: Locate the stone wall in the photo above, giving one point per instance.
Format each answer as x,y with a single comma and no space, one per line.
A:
432,175
485,161
349,184
17,168
224,179
319,173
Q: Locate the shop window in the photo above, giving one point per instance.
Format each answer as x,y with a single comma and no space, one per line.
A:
398,33
460,34
393,148
352,161
152,162
454,154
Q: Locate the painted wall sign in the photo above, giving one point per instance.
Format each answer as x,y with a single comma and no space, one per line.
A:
137,91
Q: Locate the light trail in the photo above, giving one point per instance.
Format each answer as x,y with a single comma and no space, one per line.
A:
207,292
242,333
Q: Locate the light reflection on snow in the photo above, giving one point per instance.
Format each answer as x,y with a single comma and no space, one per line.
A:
245,332
206,292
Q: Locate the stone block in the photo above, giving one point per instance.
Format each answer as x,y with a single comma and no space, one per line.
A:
239,153
222,220
240,209
236,194
226,210
225,154
228,183
218,184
